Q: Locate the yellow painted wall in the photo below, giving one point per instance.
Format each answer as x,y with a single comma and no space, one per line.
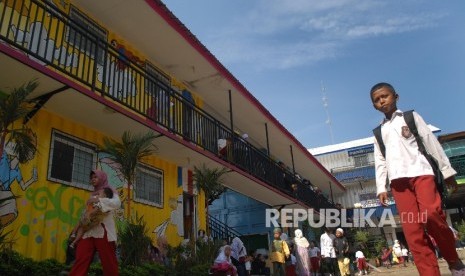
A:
47,210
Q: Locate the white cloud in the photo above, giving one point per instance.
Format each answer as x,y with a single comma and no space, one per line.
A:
281,34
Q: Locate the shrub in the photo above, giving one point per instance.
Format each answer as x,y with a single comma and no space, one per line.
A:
133,241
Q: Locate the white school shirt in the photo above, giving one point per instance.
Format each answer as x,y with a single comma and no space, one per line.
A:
403,159
313,252
327,245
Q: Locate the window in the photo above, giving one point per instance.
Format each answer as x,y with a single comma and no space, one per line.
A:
83,35
361,160
149,186
71,160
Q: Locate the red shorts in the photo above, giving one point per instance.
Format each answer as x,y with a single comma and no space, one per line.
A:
361,263
315,263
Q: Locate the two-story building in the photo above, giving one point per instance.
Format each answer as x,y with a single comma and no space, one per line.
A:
104,67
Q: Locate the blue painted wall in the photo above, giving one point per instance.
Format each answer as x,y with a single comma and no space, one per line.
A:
244,214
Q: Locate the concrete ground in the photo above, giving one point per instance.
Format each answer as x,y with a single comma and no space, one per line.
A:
410,270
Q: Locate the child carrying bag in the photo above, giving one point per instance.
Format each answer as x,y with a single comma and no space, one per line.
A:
409,120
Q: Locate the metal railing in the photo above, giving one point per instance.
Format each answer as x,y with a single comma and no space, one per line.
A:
219,230
458,163
54,39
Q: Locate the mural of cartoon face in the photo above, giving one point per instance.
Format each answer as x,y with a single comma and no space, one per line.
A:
10,172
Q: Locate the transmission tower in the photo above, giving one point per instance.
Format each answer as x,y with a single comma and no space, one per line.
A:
328,116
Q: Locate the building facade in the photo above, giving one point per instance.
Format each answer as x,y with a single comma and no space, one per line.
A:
106,67
352,163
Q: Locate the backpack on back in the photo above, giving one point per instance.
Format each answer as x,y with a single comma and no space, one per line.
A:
409,120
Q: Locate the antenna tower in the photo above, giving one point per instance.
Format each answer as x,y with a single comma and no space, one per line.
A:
328,117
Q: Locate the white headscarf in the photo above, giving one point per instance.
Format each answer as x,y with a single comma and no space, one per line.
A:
300,240
237,248
222,257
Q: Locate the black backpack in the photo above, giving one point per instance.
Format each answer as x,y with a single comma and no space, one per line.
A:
409,120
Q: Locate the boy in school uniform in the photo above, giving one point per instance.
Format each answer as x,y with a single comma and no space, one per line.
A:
412,183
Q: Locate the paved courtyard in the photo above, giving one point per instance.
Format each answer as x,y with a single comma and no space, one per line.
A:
410,270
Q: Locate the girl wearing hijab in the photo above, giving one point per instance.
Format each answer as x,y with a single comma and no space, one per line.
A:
223,264
301,245
102,237
238,254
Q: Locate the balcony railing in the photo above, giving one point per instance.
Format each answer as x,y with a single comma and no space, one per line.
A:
458,163
54,39
350,174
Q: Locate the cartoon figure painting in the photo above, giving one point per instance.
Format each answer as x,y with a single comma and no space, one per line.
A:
120,83
37,40
9,173
176,218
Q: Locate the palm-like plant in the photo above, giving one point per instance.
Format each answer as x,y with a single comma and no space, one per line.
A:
128,153
13,108
209,181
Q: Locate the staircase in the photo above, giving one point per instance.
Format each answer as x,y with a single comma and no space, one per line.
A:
219,230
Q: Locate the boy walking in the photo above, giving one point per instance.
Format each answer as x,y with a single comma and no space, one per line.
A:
412,182
279,253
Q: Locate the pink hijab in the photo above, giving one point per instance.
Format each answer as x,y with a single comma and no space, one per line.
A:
102,181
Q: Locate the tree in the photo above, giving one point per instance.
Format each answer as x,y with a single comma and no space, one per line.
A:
128,153
14,108
210,182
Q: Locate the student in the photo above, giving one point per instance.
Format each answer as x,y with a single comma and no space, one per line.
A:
341,247
238,256
405,255
397,251
315,256
361,262
279,253
301,245
328,254
223,263
412,182
91,217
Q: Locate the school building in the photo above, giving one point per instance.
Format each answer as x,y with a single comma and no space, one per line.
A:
352,163
105,67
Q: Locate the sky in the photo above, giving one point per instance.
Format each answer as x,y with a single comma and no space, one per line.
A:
290,54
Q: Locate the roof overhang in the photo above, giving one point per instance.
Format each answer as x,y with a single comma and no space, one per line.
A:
80,105
178,52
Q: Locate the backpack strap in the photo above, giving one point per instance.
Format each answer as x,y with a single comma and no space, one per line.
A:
410,121
379,139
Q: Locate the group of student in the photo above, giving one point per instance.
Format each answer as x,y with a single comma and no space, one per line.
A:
397,254
336,257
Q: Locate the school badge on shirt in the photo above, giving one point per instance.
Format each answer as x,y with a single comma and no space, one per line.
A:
406,132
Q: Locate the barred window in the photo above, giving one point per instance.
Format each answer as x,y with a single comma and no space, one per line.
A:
149,186
361,160
71,160
84,35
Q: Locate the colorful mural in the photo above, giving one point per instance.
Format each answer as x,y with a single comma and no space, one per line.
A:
10,173
46,210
